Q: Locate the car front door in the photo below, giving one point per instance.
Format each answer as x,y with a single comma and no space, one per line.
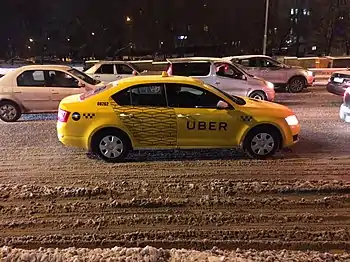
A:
32,91
123,71
252,66
231,80
272,71
199,122
143,111
61,85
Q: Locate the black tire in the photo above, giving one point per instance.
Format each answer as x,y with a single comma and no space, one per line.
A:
9,111
259,95
296,84
265,134
115,155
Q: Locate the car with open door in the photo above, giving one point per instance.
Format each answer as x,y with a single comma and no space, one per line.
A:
292,78
39,89
223,75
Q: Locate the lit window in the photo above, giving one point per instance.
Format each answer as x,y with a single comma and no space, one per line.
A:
292,11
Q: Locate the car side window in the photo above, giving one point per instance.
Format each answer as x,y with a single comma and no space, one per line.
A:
227,70
124,69
61,79
105,69
191,69
149,95
32,78
187,96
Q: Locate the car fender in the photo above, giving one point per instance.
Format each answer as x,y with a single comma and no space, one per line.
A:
244,131
13,99
97,127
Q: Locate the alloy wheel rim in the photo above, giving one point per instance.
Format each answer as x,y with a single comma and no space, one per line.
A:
8,112
262,144
297,85
111,146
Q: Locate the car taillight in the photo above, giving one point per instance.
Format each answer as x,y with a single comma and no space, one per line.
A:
63,115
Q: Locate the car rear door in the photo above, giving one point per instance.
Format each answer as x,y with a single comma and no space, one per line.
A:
123,71
32,91
143,111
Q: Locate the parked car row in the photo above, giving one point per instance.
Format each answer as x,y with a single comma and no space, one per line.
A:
40,88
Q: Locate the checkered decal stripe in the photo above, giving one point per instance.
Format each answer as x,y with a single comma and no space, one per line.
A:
150,126
89,115
246,118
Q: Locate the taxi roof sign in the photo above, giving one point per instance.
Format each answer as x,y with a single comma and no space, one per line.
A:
165,74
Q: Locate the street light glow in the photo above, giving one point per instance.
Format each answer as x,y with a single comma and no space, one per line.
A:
92,33
128,19
31,40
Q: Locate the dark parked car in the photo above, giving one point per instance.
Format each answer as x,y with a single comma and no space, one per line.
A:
339,82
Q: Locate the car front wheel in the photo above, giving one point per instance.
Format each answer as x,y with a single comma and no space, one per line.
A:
259,95
111,145
262,143
9,111
296,84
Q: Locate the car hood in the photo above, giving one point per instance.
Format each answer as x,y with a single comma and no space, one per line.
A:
257,107
256,80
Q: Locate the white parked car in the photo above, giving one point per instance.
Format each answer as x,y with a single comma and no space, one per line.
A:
294,79
223,75
40,88
109,71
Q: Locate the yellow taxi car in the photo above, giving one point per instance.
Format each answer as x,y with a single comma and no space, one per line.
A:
163,112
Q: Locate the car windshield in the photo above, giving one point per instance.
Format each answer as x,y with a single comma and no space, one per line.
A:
83,76
235,99
97,90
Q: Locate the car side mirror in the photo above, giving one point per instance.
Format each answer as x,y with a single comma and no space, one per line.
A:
81,84
244,77
134,73
222,105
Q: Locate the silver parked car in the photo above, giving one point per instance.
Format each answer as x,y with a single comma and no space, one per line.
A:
109,71
223,75
40,88
294,79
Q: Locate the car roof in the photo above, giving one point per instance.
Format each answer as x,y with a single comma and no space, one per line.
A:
43,67
112,62
6,79
344,72
196,59
144,79
245,56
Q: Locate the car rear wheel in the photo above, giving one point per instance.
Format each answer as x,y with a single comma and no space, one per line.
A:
261,143
259,95
110,145
296,84
9,111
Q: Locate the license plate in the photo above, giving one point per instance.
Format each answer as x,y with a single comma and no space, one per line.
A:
338,80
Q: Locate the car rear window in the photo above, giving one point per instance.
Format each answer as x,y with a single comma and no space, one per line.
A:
98,90
191,69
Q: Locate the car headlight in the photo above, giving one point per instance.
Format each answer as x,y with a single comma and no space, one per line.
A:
270,85
310,73
292,120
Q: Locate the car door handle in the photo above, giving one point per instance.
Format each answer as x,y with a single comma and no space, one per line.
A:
126,115
97,76
217,82
17,92
182,116
55,92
